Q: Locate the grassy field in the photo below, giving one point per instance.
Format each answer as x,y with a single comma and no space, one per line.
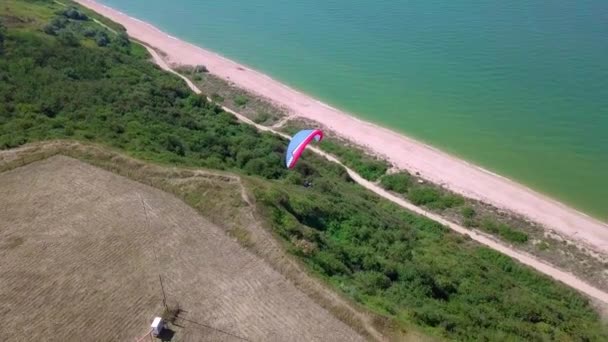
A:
82,251
74,80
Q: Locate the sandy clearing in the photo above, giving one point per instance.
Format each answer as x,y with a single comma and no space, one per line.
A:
439,167
78,251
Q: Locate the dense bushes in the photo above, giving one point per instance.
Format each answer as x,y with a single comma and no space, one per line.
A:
109,96
398,182
503,230
56,25
69,31
368,167
405,266
241,100
2,34
396,263
425,195
440,200
467,212
73,13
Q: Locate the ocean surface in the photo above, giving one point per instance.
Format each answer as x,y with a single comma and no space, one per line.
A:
518,87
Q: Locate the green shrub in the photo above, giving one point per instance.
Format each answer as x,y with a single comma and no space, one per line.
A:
329,264
503,230
217,98
90,32
261,117
368,167
398,182
543,246
240,100
448,200
57,24
513,235
68,38
434,198
424,195
200,69
2,34
370,282
73,13
469,222
102,39
467,212
176,145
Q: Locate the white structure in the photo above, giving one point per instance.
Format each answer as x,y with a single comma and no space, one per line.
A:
157,326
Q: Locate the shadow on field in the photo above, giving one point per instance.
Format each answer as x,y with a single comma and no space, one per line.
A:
205,326
166,334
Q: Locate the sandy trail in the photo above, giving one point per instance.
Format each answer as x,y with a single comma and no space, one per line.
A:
484,239
462,177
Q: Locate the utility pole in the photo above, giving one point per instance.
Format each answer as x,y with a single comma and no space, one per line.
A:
163,290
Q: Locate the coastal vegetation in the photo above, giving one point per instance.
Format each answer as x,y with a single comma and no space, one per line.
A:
469,213
63,84
440,200
513,229
260,110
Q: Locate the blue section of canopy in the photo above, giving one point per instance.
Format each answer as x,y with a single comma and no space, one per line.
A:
297,143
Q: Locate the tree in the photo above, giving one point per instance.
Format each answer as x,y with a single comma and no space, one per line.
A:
67,38
200,69
102,39
468,212
424,195
398,182
75,14
241,100
175,145
89,32
55,25
123,40
2,35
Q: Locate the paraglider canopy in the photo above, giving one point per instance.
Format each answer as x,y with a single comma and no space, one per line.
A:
298,143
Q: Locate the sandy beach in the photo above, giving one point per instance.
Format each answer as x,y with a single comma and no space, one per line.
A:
434,165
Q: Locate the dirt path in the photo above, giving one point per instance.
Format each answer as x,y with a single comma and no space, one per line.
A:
484,239
283,121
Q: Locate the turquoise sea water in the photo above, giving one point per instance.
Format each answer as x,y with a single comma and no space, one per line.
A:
518,87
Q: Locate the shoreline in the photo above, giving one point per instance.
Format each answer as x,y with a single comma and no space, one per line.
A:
463,177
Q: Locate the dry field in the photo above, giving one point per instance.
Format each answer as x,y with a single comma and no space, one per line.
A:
81,251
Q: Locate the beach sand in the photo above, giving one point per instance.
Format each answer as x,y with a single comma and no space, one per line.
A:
436,166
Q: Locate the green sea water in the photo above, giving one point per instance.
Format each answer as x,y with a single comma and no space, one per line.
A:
518,87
